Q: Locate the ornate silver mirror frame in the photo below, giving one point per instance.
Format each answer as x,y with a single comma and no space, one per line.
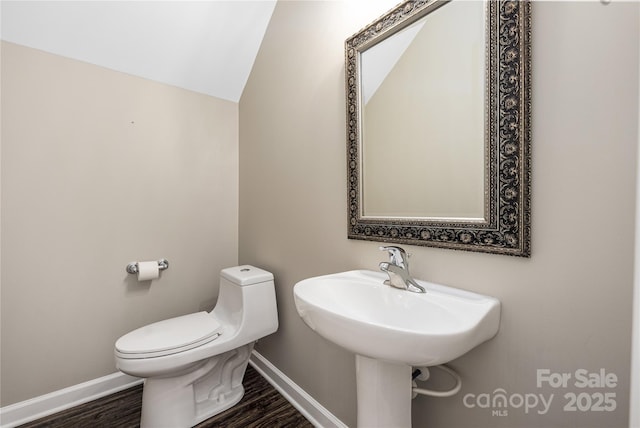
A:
506,227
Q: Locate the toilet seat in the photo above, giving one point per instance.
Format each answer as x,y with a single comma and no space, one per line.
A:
169,336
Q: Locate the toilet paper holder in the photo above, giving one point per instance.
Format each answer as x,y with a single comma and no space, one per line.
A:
133,266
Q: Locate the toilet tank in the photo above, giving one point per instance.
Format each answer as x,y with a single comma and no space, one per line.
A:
246,275
247,300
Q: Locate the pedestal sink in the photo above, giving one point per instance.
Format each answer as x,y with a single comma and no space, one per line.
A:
392,330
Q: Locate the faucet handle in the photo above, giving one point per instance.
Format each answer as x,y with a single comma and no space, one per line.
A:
397,255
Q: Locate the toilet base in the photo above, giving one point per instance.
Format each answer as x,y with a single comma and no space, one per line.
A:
208,388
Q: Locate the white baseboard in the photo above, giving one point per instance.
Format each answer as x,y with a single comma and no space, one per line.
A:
310,408
57,401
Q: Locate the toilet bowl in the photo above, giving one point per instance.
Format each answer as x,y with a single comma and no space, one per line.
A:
193,365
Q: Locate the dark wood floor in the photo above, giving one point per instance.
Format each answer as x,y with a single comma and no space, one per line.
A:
261,406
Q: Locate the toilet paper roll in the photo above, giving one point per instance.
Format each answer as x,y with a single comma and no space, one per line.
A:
148,271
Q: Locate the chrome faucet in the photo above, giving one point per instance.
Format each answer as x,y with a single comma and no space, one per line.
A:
398,270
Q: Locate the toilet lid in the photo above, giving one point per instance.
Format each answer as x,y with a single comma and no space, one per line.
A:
169,336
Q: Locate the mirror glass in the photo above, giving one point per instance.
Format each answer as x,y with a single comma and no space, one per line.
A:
438,133
422,102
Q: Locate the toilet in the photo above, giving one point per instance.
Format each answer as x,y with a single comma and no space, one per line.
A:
194,364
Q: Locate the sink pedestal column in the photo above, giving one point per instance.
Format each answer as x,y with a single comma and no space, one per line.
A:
384,393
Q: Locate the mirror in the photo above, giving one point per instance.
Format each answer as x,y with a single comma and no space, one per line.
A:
438,126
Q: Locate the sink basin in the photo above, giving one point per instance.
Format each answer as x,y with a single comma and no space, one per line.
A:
356,311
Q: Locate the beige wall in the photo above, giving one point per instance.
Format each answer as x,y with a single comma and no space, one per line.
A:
568,307
99,169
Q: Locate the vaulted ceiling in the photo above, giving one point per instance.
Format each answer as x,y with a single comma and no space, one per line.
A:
204,46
